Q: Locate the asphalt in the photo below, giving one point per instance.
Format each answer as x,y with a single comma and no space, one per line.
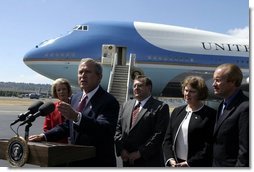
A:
8,114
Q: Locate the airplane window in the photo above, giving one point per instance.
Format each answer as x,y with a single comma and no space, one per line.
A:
81,27
76,27
85,27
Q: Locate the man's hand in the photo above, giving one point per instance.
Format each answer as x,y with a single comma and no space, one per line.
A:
171,163
36,138
67,111
182,164
133,156
125,155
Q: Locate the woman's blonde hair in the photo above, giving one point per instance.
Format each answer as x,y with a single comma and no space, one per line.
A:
61,81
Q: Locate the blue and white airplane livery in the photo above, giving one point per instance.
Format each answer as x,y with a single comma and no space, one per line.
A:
165,53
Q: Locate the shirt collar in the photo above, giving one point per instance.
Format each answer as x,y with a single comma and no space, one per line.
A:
229,100
189,110
90,94
143,102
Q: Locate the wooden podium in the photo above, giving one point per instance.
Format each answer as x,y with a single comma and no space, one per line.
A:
48,154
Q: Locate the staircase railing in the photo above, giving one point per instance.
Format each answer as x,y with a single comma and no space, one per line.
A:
112,72
131,64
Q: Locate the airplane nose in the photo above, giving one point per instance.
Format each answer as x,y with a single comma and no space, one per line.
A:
31,55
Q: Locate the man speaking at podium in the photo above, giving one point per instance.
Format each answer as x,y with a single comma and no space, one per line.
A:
91,118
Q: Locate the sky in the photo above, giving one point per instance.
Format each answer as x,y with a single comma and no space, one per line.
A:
26,23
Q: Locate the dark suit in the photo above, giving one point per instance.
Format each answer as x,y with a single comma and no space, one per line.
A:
231,134
146,135
200,133
97,128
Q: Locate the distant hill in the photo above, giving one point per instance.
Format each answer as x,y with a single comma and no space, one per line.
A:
16,89
25,87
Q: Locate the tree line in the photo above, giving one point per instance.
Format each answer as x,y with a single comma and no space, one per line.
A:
10,89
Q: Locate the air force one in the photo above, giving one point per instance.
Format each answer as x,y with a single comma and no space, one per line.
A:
165,53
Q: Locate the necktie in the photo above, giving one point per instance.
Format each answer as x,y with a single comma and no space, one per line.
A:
223,108
134,114
82,104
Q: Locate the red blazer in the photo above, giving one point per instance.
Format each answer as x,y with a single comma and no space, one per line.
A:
52,120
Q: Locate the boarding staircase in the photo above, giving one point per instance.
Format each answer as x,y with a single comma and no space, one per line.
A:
119,80
119,83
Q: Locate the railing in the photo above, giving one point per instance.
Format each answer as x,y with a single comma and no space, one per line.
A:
111,76
131,63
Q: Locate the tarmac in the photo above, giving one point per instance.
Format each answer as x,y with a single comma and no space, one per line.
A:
10,108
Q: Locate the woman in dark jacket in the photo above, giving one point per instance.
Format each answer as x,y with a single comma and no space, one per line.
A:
188,138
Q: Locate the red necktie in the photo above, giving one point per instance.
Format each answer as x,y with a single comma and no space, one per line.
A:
135,114
82,104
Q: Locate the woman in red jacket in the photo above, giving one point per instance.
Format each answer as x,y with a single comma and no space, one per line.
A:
61,90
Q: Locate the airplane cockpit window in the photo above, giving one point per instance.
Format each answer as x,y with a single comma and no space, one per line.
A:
81,27
46,42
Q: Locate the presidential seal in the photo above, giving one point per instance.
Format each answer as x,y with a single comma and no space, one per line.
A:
17,151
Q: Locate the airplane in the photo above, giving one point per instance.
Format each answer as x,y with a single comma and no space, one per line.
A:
165,53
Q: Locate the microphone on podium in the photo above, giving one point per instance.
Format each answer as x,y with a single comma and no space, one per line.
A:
31,110
44,110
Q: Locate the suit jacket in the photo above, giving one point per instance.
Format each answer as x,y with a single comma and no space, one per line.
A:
146,135
231,134
200,133
97,128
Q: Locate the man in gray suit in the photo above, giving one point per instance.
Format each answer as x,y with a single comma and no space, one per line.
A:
141,127
231,131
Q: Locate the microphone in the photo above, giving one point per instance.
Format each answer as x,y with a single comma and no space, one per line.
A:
31,110
44,110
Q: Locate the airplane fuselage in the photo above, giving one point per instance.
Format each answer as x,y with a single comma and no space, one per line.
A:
164,53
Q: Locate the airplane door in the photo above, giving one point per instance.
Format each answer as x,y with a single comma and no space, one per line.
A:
121,59
109,51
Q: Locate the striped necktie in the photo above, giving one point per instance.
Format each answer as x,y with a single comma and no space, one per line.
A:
134,114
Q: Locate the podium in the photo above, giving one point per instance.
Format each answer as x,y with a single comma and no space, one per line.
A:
48,154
